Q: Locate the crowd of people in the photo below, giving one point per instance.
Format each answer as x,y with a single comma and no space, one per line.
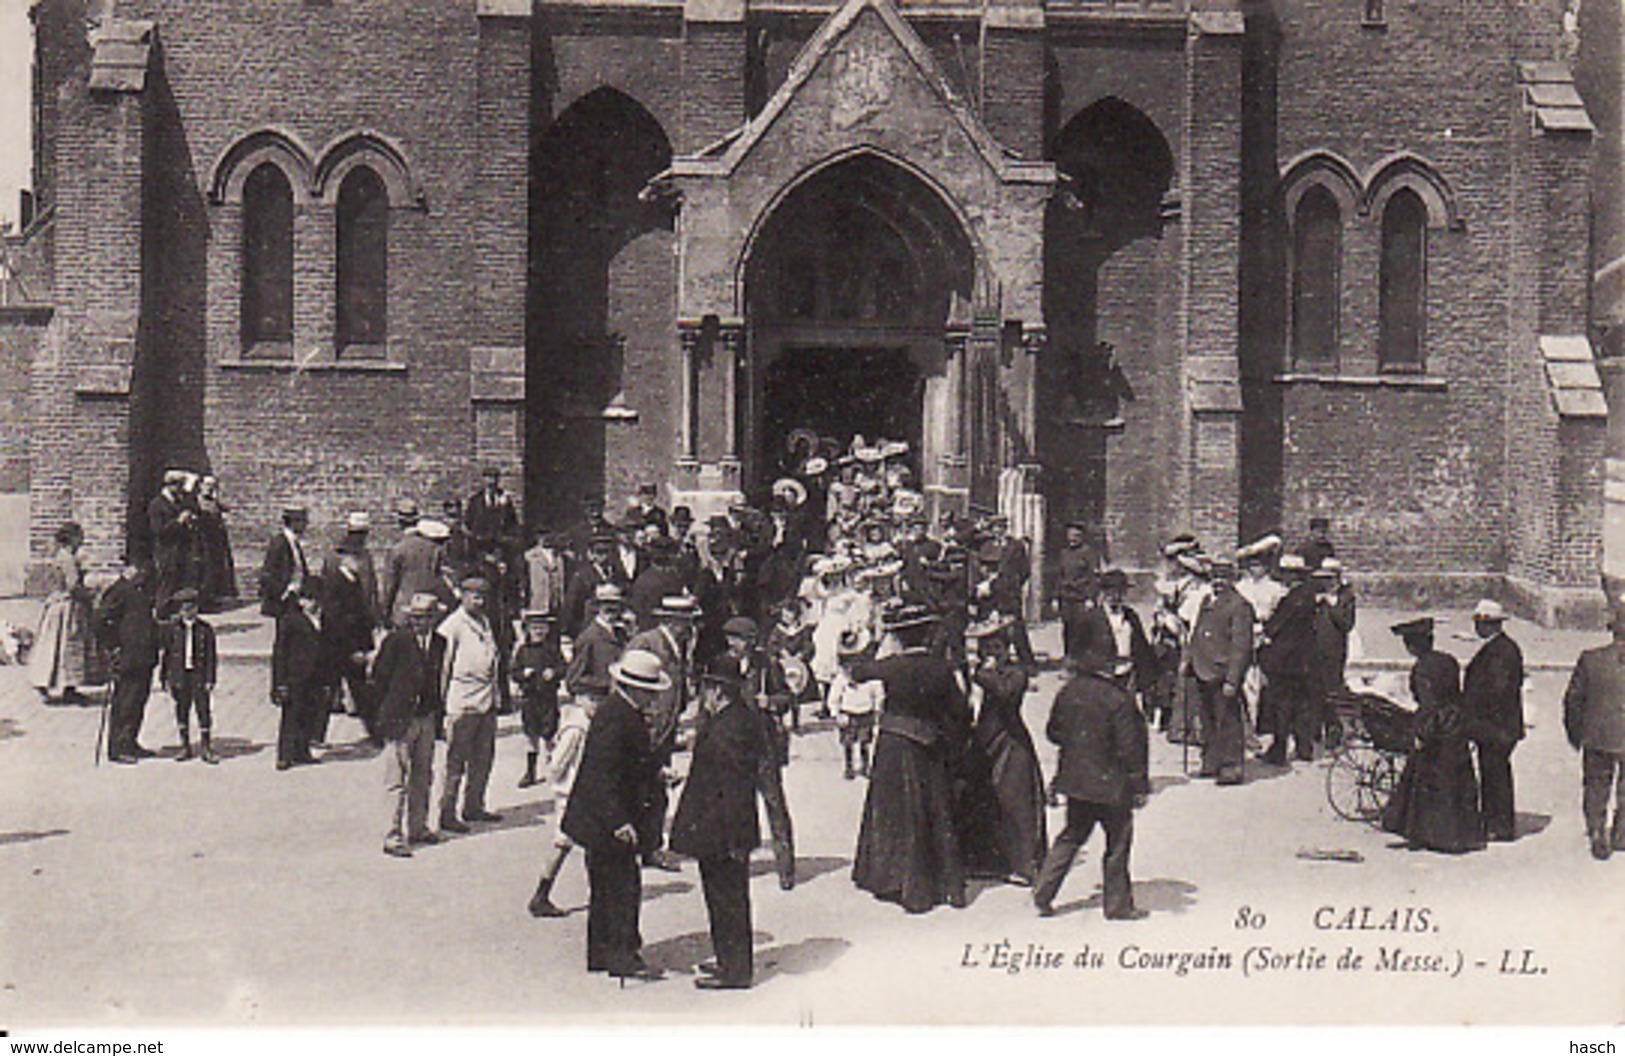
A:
658,653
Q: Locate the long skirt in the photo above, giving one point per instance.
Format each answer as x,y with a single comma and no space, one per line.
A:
62,656
1435,805
1018,788
907,851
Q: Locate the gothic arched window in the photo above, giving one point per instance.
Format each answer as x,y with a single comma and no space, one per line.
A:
363,261
267,258
1403,284
1317,244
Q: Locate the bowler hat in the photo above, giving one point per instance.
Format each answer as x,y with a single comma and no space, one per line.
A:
640,669
1114,579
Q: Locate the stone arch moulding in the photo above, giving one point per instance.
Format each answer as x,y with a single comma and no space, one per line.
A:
741,263
376,151
248,152
1419,176
1322,168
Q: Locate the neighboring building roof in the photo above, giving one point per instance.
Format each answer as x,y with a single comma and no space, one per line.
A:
1551,96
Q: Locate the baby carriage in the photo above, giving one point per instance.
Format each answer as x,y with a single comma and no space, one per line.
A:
1365,766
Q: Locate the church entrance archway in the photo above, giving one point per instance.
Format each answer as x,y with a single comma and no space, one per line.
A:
852,285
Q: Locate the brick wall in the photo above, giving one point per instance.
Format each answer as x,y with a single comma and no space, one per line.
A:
337,436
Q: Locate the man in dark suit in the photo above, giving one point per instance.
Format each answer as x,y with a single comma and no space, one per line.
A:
716,825
128,632
1113,629
406,686
174,531
1290,710
1492,707
602,816
299,677
672,640
188,670
492,518
1004,566
658,580
1216,658
347,629
597,646
1077,589
1102,773
1594,720
599,568
286,566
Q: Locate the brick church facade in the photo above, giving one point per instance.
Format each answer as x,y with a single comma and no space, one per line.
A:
1160,265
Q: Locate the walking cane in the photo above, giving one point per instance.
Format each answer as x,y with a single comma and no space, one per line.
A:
101,728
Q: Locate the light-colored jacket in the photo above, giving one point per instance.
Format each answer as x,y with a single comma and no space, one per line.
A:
468,676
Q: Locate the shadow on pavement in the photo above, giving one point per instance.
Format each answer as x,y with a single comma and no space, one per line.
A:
354,752
9,838
684,953
236,747
1166,781
799,958
666,887
1152,896
1530,824
806,868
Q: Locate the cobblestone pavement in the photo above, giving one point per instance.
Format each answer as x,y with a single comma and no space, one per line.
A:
180,893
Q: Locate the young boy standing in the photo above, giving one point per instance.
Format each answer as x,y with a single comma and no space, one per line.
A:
187,671
538,667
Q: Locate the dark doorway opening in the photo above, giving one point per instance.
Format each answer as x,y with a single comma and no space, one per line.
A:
841,392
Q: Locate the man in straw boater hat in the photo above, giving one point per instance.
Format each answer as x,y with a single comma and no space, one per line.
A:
1594,720
468,685
1102,772
598,645
1290,711
1220,651
406,687
672,640
608,799
173,523
286,565
1492,703
716,824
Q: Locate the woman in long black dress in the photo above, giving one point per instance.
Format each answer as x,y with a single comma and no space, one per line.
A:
1435,806
907,848
1017,782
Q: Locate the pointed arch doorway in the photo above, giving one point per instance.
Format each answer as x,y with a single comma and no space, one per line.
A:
854,283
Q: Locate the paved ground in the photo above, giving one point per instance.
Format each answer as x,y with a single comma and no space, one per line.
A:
179,893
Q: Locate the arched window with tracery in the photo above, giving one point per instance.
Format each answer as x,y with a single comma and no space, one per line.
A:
1403,283
363,263
1317,246
267,259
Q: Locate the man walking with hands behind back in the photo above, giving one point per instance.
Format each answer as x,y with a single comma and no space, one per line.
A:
1594,719
406,685
1492,705
1102,774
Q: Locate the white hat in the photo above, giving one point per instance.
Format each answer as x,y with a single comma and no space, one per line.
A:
815,466
791,490
1489,610
640,669
1292,563
1259,547
359,521
432,529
